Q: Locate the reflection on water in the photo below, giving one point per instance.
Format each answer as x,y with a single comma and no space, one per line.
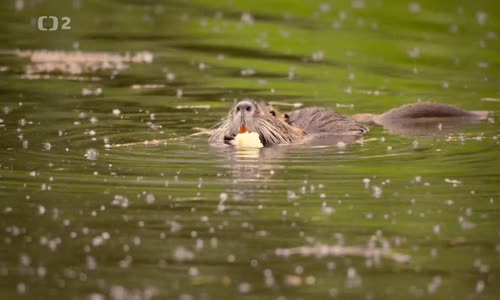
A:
89,210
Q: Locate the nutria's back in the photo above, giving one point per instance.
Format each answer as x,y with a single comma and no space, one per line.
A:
320,120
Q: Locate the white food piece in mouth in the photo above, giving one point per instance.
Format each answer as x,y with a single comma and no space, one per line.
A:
247,140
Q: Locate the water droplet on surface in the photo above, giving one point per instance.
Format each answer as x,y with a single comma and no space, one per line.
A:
21,288
182,254
377,191
414,7
479,286
247,18
244,287
150,198
481,17
91,154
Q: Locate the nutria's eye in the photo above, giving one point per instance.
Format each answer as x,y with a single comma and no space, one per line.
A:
249,108
273,113
237,109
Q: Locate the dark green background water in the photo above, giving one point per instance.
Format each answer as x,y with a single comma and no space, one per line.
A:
205,223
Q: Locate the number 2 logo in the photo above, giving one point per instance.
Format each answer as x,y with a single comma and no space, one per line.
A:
55,23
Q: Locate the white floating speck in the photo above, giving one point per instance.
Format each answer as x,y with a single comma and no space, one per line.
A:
244,287
366,182
19,5
223,196
434,284
453,28
120,200
91,92
318,56
358,4
247,72
483,64
6,109
150,198
479,286
91,262
293,280
341,145
452,181
96,296
91,154
231,258
377,191
247,18
175,226
414,52
170,76
21,288
325,7
97,241
481,17
179,93
182,254
353,279
193,271
414,7
327,210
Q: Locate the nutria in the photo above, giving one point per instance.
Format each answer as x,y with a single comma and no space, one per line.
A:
252,116
274,127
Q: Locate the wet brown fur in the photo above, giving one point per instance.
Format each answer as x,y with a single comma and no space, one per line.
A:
274,127
320,120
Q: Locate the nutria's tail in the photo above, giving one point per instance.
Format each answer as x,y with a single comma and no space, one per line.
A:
421,110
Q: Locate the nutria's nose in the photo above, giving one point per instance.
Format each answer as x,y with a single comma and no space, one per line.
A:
245,106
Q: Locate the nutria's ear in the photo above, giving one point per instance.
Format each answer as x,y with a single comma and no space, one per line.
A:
273,113
287,118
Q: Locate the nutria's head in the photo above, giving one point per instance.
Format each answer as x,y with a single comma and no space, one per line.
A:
250,116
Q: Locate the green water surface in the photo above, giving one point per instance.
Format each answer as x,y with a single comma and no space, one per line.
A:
88,211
